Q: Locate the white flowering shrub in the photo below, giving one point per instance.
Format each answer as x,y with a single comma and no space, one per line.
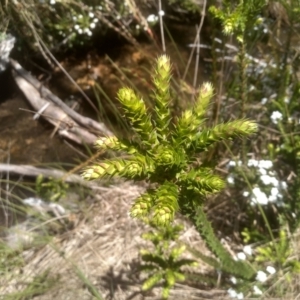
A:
240,288
64,24
266,187
264,182
265,259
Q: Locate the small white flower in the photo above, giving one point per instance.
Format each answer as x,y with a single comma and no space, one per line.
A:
230,179
283,185
276,116
91,15
76,26
263,65
152,18
257,291
259,196
274,191
251,88
95,20
92,25
271,270
266,164
264,101
232,293
266,179
272,198
232,163
80,31
252,163
52,2
240,296
261,276
233,280
248,250
274,181
241,256
262,171
246,194
161,13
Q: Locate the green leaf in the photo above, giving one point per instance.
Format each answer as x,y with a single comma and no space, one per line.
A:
152,281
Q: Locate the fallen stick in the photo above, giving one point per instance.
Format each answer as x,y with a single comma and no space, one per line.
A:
45,94
54,115
27,170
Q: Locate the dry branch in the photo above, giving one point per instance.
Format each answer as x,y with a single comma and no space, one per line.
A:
69,123
27,170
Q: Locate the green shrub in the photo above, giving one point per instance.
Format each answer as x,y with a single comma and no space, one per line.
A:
165,153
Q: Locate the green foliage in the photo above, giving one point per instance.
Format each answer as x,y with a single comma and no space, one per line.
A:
287,105
38,286
52,190
164,152
163,264
9,259
239,19
227,264
277,203
189,5
279,253
62,23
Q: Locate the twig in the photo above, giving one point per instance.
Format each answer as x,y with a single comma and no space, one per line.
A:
87,122
27,170
196,38
161,25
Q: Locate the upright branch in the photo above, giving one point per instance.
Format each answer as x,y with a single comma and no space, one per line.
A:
162,97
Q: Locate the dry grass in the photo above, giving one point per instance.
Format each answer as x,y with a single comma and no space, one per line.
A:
100,253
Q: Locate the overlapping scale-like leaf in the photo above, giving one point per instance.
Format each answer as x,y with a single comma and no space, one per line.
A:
190,121
113,143
161,80
136,112
201,181
227,131
166,203
137,167
142,205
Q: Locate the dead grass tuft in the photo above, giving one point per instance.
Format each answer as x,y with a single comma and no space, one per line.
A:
99,254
